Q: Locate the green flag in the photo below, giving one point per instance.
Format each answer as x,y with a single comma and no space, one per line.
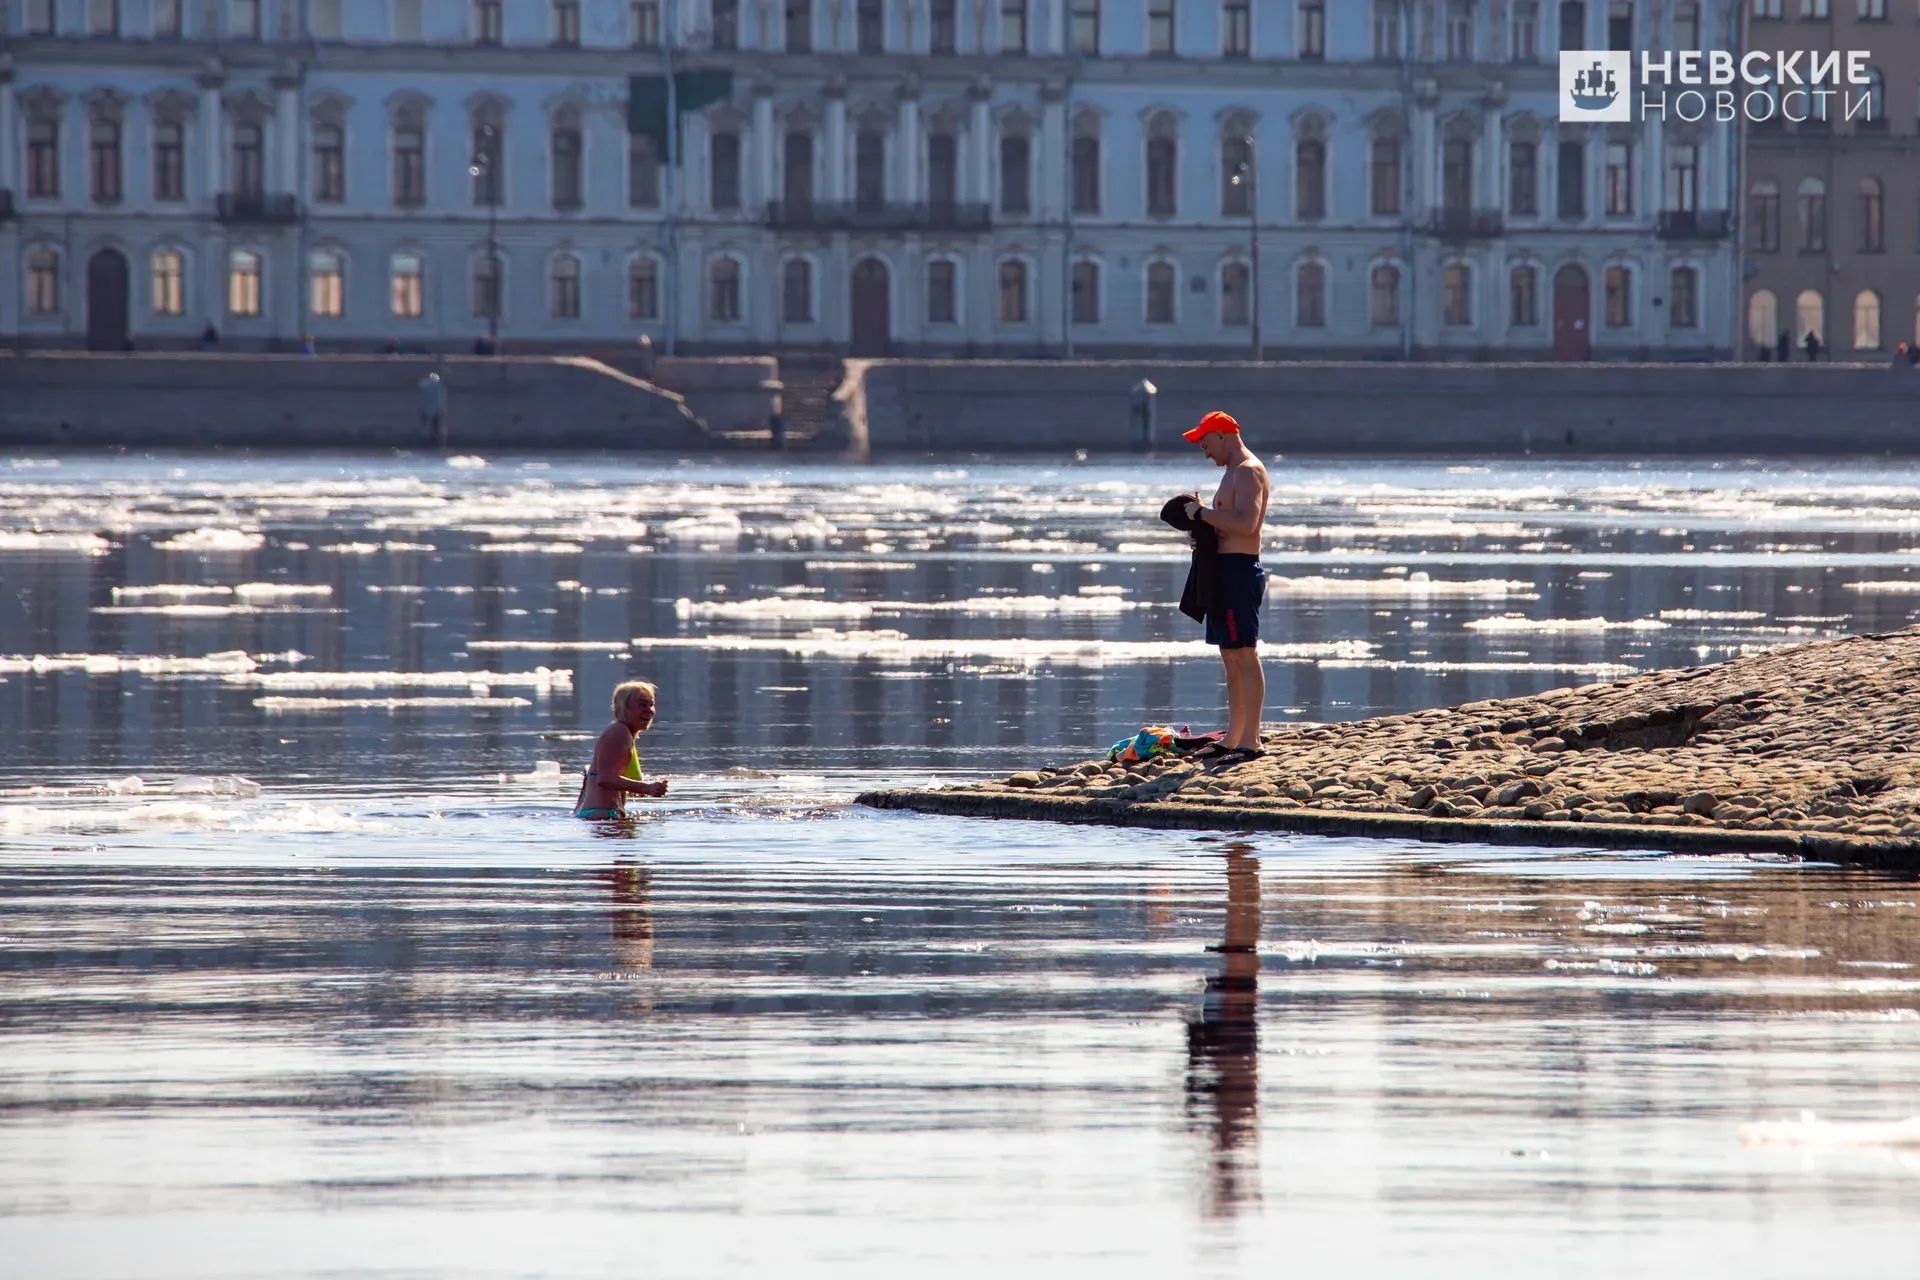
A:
647,101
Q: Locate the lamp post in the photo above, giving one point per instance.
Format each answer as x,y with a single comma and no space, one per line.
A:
483,167
1246,174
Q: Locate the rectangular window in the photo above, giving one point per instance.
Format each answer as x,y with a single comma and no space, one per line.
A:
1683,178
486,289
43,283
409,167
799,28
1459,31
1384,189
104,149
1523,180
1016,175
566,22
1873,10
326,286
326,19
407,300
1523,304
169,283
1386,30
103,17
1456,301
796,292
1236,178
1235,309
870,169
643,290
1313,29
1619,301
1160,28
567,172
1236,29
1013,26
724,302
1686,25
1086,293
1684,306
42,18
1456,176
726,25
43,159
1524,31
643,172
1571,175
1619,179
487,25
407,25
167,19
942,297
1310,296
1766,221
870,27
1766,8
329,165
243,284
169,161
1013,292
1162,178
244,22
1384,313
943,34
1620,26
643,21
1573,25
1160,299
1086,175
1085,33
724,184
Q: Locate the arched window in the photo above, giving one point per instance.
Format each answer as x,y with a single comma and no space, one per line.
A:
643,289
1160,293
1456,295
1310,295
723,291
943,291
43,282
326,284
1163,166
1310,178
1236,296
796,291
243,283
1236,176
1523,295
1764,211
1086,291
566,142
1763,318
169,282
1866,321
1619,297
1873,219
405,276
104,148
1683,299
1813,215
1383,311
563,287
1013,291
1809,315
1383,185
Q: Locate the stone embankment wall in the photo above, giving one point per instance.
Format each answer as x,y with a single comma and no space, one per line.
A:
204,400
1806,751
1394,409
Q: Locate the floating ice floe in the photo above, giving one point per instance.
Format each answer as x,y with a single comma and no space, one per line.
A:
591,646
1810,1131
1899,587
885,566
466,462
1710,615
540,679
897,647
785,609
226,662
1511,624
214,539
86,544
1414,584
277,702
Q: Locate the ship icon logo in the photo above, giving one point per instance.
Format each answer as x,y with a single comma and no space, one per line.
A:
1594,86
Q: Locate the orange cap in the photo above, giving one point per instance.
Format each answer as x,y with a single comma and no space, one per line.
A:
1215,421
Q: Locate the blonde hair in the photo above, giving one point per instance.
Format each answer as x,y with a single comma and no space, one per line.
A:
623,693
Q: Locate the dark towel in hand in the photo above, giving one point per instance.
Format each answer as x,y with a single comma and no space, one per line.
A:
1197,597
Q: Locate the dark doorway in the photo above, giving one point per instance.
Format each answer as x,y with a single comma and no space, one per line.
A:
107,301
872,310
1571,338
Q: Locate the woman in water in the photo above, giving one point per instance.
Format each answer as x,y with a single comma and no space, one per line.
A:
614,773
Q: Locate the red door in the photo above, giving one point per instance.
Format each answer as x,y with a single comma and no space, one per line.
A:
1572,339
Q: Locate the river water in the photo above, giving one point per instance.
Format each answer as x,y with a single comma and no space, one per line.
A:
305,971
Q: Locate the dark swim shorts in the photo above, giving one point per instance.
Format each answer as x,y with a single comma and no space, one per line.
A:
1234,620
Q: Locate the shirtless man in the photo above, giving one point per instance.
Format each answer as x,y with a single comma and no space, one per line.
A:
615,772
1238,511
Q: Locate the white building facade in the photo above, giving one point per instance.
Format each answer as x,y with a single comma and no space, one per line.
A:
939,177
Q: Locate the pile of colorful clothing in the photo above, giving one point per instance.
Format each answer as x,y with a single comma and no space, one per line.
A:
1160,740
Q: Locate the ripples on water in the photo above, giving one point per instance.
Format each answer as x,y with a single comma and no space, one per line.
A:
305,973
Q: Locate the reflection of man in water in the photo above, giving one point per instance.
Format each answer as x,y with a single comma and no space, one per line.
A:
632,920
1223,1044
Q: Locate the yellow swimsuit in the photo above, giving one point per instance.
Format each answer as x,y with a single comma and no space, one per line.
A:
633,771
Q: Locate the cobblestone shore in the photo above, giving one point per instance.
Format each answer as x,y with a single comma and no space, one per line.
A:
1807,751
